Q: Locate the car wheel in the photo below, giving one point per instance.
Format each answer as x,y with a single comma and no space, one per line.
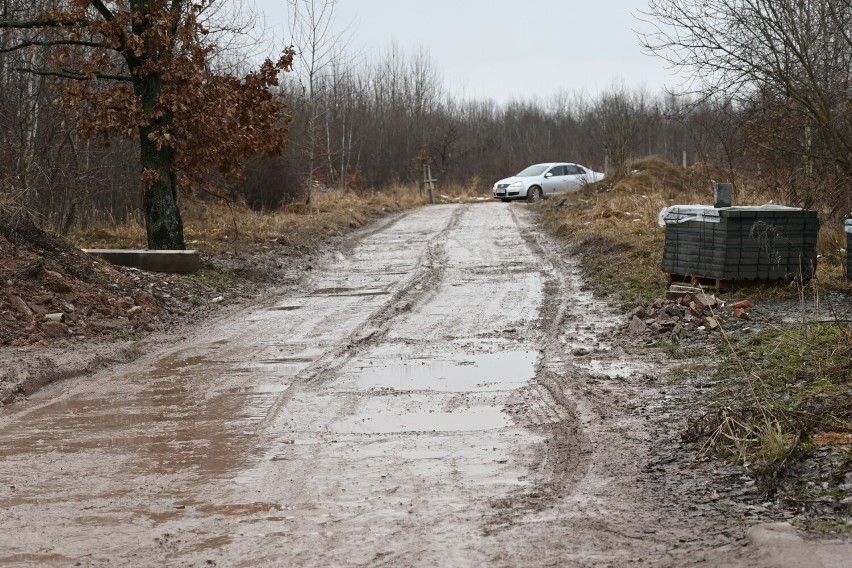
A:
533,194
505,199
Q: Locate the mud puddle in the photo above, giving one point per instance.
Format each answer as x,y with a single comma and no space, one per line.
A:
462,420
477,372
350,292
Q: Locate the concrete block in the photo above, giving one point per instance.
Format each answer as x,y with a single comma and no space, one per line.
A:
175,261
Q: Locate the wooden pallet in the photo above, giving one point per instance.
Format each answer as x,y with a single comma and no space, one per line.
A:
701,281
723,284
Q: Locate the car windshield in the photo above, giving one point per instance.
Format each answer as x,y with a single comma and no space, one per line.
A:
531,171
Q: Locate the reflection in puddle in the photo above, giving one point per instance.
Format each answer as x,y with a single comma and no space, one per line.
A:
506,370
464,420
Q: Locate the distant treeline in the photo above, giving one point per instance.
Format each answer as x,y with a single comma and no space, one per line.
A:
367,125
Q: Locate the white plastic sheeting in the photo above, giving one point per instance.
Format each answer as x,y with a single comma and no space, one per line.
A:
675,214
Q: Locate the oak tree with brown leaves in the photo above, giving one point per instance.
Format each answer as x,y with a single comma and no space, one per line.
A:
142,68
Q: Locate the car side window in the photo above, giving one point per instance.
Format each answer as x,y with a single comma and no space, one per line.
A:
557,170
572,170
580,170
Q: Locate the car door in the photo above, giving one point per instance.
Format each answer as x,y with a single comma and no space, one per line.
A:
575,179
554,180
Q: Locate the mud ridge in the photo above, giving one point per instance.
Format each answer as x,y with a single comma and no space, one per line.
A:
544,408
418,288
28,375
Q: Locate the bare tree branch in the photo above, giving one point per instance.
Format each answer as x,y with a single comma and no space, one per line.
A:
75,75
105,12
50,43
43,23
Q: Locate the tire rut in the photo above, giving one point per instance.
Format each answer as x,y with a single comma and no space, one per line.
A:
419,288
544,408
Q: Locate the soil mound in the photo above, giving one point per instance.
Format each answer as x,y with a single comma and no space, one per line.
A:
50,291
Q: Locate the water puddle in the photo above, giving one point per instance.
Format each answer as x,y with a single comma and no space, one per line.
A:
480,372
258,389
464,420
350,292
284,308
172,365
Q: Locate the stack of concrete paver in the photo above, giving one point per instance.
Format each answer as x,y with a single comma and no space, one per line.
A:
769,242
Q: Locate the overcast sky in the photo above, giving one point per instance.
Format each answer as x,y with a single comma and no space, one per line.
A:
503,49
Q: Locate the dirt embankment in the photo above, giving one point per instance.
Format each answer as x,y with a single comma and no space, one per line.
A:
64,313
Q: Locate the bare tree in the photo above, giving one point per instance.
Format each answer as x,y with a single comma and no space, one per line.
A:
320,57
618,119
794,52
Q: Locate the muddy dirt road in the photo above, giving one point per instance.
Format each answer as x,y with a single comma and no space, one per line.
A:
425,398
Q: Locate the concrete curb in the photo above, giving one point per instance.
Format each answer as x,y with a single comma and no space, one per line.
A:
175,261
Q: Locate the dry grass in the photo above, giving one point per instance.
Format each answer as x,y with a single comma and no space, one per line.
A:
472,191
783,391
214,226
831,246
782,406
614,225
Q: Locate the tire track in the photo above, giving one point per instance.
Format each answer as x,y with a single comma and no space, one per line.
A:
546,405
419,288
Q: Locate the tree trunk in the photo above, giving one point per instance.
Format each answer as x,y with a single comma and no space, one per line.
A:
163,222
159,199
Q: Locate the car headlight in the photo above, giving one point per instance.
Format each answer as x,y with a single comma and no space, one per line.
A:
517,184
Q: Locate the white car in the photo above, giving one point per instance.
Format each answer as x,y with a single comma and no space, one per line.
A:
541,180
